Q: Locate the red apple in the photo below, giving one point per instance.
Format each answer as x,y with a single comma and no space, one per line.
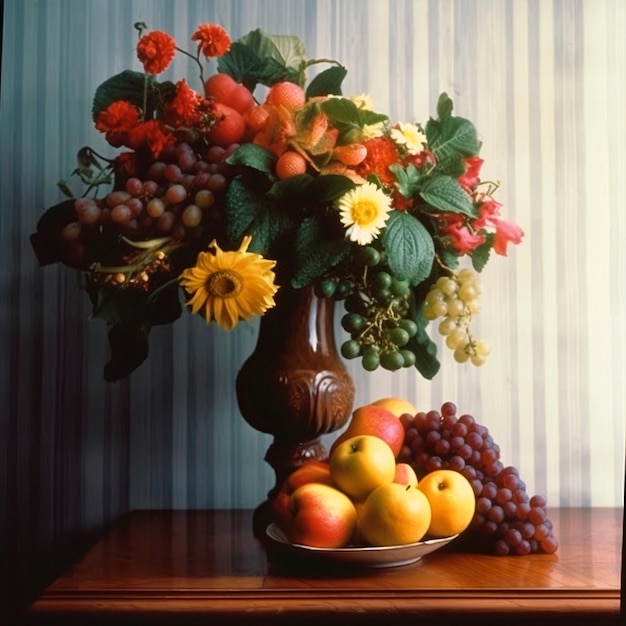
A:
376,421
310,472
321,517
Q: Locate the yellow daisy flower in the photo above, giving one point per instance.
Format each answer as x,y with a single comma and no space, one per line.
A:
409,136
230,286
364,211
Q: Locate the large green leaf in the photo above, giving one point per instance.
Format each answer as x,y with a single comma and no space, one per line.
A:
452,136
244,204
327,82
129,85
256,59
409,246
443,193
315,253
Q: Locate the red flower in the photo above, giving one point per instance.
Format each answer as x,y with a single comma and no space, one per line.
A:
127,162
151,134
420,160
184,108
469,179
156,51
213,40
119,117
381,153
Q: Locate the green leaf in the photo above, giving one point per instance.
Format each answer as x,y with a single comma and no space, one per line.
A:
444,106
480,256
344,115
327,82
291,50
424,348
407,179
452,136
452,165
293,190
409,246
128,85
330,187
443,193
243,205
255,59
253,156
315,253
129,349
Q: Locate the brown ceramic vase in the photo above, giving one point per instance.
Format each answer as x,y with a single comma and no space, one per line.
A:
294,385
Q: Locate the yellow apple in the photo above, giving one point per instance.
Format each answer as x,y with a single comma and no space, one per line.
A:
360,464
394,514
398,406
405,475
321,517
452,502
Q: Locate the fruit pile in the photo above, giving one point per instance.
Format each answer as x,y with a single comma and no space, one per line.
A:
397,476
363,496
506,520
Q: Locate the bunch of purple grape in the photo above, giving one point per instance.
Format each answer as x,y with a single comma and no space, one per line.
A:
179,196
506,519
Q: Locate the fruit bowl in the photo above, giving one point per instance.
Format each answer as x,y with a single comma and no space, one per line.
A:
366,556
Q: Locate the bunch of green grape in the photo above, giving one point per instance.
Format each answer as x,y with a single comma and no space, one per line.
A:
377,314
455,299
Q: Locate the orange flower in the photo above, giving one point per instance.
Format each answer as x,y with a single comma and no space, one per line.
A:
213,40
156,51
279,129
381,153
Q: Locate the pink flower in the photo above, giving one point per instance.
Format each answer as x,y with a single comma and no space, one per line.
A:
469,179
462,240
506,232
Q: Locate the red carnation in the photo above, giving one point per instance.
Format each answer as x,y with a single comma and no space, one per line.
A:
213,40
156,51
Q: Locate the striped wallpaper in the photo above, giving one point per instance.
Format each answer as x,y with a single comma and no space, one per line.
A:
544,82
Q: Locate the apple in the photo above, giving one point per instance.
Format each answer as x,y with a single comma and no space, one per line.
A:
229,127
394,514
228,91
321,516
398,406
405,475
312,471
377,421
452,502
360,464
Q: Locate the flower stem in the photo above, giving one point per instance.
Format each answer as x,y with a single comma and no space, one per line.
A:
196,59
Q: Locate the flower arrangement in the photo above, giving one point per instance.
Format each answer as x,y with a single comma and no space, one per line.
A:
225,195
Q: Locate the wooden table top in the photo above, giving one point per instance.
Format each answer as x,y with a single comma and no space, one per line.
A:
180,566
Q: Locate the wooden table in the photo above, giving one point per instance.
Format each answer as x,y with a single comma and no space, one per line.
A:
180,567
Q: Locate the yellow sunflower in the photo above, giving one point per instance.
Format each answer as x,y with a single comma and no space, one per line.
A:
230,286
364,211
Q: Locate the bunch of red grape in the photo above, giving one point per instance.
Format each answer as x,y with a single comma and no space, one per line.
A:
179,196
506,520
